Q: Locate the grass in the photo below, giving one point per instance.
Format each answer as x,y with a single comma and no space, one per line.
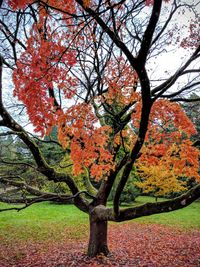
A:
45,221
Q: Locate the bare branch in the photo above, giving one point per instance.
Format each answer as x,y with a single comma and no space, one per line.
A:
188,100
159,90
18,163
7,133
184,89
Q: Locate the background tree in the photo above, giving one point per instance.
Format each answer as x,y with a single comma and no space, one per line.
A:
86,68
192,110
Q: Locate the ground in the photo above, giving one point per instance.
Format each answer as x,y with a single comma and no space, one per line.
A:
44,235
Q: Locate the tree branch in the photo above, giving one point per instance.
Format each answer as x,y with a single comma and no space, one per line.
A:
44,197
18,163
181,90
31,201
196,144
7,133
2,123
167,84
182,99
160,207
103,213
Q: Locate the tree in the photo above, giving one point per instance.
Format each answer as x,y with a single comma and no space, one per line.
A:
193,110
84,67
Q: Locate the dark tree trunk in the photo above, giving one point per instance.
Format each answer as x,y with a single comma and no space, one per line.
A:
98,238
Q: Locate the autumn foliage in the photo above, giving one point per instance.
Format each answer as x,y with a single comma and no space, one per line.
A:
46,65
168,154
85,69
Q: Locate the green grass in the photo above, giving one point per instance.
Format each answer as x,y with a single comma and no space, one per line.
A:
45,221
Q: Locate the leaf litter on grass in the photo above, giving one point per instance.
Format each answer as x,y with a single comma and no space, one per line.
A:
131,244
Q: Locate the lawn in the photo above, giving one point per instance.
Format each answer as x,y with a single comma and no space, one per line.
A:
46,220
44,230
43,221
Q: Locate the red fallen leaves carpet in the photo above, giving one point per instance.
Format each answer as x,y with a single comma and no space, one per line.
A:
136,245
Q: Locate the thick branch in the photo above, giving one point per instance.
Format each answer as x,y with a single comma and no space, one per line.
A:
2,123
160,207
103,213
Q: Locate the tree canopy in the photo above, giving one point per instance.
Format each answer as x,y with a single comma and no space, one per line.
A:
90,77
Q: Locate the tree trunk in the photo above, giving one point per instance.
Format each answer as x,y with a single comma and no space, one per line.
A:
98,238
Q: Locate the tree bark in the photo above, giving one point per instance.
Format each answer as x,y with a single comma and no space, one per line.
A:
98,238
